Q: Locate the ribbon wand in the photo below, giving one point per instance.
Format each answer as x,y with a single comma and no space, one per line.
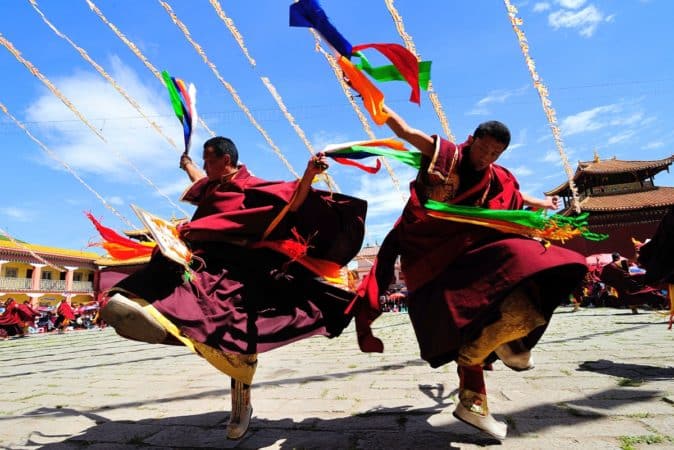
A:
184,103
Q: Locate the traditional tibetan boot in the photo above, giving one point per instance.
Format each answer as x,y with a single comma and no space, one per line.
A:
518,318
131,320
472,407
515,356
242,410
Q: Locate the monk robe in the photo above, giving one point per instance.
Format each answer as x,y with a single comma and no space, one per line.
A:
458,274
10,322
256,289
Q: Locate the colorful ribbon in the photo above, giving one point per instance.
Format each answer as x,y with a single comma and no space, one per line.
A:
309,14
117,246
373,99
528,223
391,72
347,153
184,102
403,60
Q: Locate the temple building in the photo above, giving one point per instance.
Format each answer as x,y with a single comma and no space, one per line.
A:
25,277
622,199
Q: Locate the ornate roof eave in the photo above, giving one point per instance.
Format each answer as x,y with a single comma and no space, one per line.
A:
590,168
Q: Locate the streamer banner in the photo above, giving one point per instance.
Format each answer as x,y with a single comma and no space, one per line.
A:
184,102
309,14
535,224
349,153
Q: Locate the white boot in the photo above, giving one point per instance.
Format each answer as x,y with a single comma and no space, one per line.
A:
130,320
242,410
516,361
472,409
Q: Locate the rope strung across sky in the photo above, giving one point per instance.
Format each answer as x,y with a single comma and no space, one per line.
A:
105,75
134,48
409,43
228,86
545,101
32,253
9,46
236,34
65,165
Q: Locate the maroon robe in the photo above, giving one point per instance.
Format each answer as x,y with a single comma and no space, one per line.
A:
458,274
246,298
65,310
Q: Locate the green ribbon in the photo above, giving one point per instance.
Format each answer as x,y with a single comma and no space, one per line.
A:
410,157
176,102
391,73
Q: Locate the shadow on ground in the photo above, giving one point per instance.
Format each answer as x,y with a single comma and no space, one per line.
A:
378,428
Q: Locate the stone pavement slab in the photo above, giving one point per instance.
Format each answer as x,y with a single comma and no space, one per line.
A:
604,379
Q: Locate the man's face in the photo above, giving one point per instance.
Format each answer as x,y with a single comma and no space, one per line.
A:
215,166
484,151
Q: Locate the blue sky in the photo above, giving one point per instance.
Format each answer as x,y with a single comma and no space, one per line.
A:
608,66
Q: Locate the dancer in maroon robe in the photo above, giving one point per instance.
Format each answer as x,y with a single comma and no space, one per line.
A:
475,293
64,315
10,322
262,244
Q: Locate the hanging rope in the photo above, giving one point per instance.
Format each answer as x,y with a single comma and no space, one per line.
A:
134,48
8,45
409,43
105,75
545,101
65,165
229,23
229,87
347,93
32,253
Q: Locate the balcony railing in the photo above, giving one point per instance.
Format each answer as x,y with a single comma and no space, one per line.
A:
83,286
15,283
53,285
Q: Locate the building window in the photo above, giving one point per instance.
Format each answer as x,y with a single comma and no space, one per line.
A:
45,275
11,272
77,276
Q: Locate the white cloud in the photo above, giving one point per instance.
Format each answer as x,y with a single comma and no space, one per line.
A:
382,197
586,20
324,138
175,188
590,120
654,144
128,135
615,139
521,171
18,214
115,200
496,96
541,6
571,4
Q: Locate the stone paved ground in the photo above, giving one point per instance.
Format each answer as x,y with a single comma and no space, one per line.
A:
604,380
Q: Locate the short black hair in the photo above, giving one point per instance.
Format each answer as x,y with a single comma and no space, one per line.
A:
223,146
495,129
615,256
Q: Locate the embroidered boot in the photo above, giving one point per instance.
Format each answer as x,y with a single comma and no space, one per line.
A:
242,410
515,356
472,407
130,320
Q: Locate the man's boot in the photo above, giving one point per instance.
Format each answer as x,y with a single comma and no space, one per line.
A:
472,407
132,321
242,410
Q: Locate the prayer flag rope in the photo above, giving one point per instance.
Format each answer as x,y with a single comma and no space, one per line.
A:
104,74
534,224
54,90
32,253
65,165
228,86
545,101
409,44
238,37
134,48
